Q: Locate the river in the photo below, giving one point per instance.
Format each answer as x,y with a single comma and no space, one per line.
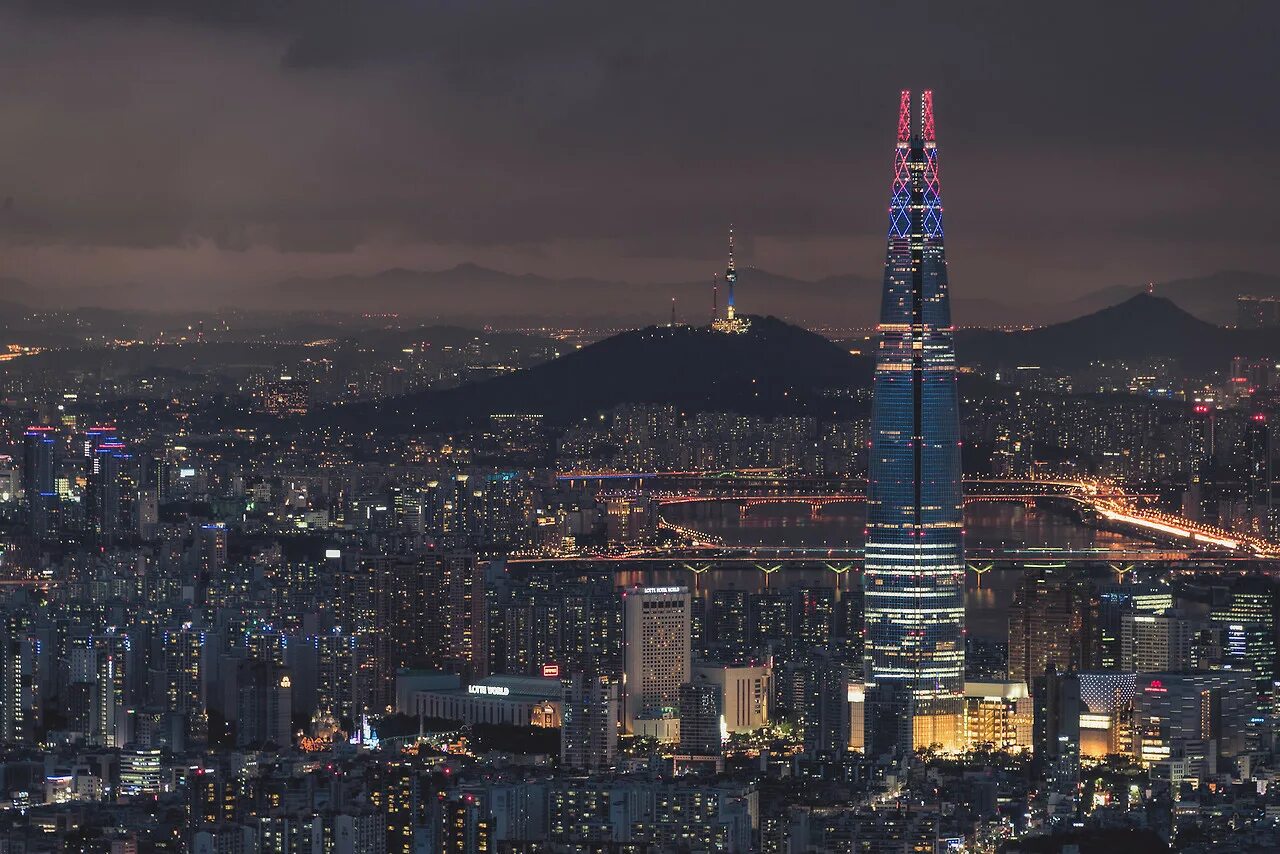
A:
987,526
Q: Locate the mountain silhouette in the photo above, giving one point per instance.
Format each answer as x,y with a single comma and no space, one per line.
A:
1142,328
773,368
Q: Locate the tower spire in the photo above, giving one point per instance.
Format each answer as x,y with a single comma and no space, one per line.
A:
730,278
715,296
904,116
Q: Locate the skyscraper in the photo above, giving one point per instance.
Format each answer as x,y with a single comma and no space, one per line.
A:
1257,475
656,652
914,579
39,467
110,485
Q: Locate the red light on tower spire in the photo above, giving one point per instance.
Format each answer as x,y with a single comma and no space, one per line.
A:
904,117
926,115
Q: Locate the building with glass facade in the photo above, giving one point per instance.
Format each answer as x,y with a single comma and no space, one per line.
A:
914,576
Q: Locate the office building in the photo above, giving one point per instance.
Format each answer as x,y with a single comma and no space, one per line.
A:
1248,623
1175,712
745,688
1158,642
1055,742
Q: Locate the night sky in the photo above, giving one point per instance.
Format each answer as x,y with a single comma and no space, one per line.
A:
177,147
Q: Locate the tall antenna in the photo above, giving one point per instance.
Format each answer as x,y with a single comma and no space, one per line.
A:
673,311
715,296
730,277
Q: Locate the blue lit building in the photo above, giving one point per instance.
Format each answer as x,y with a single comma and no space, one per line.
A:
914,570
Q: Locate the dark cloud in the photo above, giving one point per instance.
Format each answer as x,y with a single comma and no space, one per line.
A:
570,135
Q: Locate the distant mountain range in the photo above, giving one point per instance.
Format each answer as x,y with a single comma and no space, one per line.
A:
472,295
477,294
469,293
776,368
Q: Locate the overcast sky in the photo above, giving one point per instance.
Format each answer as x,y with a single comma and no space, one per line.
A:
185,145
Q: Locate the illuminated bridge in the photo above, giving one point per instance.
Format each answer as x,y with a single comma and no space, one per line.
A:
762,568
816,502
1100,503
701,558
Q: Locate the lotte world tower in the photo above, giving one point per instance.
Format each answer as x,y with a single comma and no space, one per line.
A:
914,563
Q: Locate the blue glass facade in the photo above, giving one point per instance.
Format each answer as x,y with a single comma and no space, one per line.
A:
914,569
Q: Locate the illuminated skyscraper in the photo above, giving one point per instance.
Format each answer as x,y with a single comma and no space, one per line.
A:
914,576
656,651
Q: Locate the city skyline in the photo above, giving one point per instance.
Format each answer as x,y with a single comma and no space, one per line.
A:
689,558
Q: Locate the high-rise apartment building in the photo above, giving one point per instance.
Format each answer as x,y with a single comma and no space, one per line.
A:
16,665
111,487
264,705
827,716
1258,475
589,722
914,562
701,718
